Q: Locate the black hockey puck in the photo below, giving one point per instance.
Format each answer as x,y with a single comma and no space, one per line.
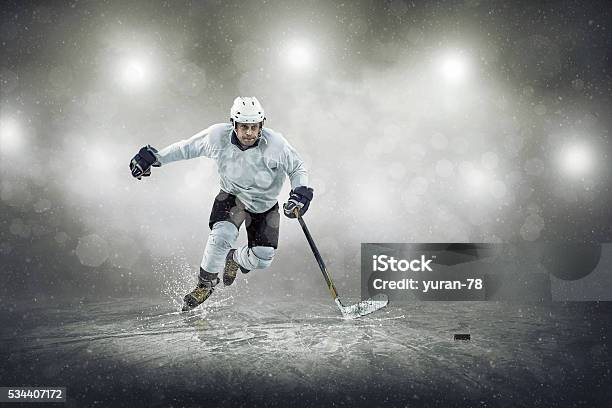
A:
462,336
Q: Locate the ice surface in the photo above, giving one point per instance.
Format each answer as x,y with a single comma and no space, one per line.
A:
237,351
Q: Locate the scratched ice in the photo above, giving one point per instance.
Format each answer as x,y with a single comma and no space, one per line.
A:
270,350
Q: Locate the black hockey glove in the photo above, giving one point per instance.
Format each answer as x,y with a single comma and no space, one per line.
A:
299,198
142,162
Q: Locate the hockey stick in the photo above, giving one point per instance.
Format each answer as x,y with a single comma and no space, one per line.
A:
348,312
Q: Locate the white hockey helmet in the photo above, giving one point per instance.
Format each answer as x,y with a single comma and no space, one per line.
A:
247,109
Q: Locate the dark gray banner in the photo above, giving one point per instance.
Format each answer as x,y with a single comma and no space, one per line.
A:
526,272
32,394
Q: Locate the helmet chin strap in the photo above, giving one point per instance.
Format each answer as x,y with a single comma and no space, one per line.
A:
260,128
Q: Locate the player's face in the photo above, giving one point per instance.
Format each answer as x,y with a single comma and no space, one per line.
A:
247,133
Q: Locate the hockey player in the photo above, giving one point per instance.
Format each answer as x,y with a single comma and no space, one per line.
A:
252,162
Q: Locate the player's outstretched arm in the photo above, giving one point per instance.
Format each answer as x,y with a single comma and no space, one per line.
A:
196,146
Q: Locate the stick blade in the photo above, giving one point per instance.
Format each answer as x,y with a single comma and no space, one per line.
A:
364,307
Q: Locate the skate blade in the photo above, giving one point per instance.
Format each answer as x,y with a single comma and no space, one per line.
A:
364,307
189,303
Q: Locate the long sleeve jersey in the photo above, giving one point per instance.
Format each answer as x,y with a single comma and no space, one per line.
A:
254,175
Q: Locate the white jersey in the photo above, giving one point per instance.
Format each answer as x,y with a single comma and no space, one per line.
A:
255,175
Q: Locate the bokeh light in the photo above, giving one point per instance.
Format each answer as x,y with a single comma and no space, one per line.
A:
11,135
454,67
135,72
299,56
577,159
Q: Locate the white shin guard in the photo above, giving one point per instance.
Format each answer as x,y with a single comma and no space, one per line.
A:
220,240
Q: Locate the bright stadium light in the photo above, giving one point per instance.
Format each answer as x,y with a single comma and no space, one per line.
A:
576,159
454,67
299,56
11,137
134,72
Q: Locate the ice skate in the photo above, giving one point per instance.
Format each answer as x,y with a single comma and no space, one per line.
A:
205,288
231,268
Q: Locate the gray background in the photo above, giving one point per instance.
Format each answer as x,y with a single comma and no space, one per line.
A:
397,150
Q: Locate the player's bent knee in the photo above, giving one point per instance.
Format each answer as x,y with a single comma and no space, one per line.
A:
224,233
263,256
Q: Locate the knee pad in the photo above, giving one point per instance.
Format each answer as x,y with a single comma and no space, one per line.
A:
224,234
261,256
